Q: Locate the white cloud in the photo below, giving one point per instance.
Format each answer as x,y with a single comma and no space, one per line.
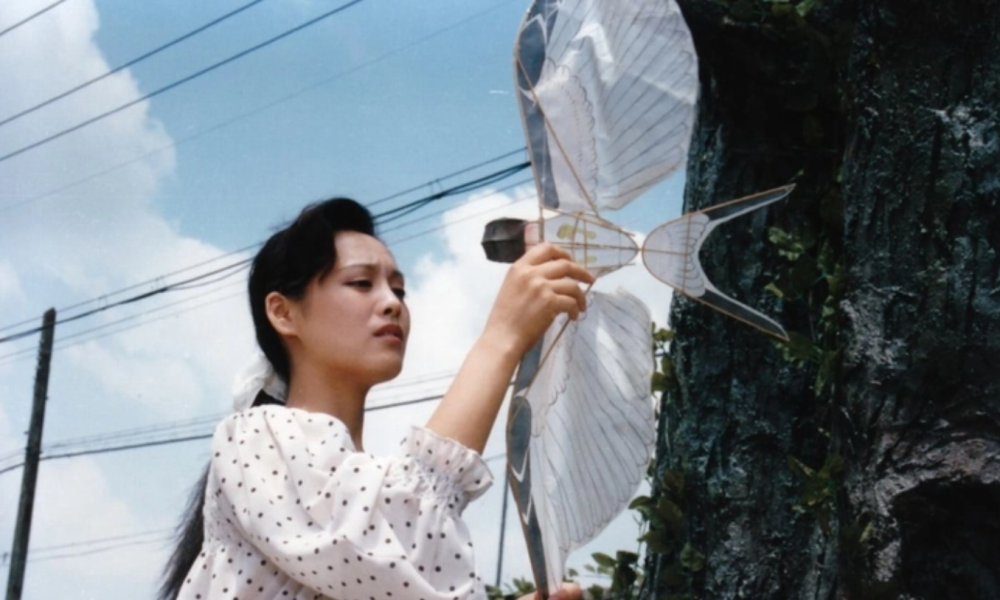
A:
108,232
74,503
83,241
10,285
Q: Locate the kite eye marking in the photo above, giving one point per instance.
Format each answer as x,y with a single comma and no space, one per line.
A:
567,231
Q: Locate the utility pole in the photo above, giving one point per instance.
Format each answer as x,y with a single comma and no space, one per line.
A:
503,524
19,555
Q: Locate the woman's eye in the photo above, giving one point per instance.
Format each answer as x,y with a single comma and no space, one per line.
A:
362,283
400,293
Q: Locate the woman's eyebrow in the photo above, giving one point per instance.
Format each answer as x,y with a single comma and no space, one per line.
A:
372,267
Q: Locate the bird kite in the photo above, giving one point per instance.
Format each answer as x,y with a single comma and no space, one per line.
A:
607,90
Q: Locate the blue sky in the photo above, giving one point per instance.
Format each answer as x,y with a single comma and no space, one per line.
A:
383,97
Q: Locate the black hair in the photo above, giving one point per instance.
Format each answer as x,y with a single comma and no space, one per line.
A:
293,257
286,263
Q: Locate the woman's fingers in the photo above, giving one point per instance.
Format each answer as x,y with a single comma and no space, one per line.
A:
539,286
568,591
570,289
556,262
560,268
544,252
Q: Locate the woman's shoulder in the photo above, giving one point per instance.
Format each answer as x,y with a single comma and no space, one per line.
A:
282,423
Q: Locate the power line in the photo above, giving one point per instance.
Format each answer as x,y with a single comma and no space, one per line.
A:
27,352
437,213
427,378
114,538
128,64
103,299
399,241
170,429
31,17
404,209
401,211
179,82
449,176
65,342
103,545
260,109
186,438
175,429
129,300
159,540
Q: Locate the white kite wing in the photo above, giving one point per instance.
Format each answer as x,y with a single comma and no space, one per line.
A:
607,93
593,424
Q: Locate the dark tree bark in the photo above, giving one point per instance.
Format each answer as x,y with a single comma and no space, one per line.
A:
921,319
862,460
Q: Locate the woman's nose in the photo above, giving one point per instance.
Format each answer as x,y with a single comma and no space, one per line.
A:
392,303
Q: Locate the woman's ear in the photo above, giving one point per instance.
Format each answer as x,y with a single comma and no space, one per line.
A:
281,313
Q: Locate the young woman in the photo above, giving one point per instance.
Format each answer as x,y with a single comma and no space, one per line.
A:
291,506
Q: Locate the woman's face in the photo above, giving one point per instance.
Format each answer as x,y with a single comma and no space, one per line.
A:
353,323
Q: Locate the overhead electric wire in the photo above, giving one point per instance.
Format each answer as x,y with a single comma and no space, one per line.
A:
95,546
159,540
187,438
128,64
426,378
179,82
401,211
114,538
28,352
438,213
449,176
65,342
129,300
30,17
174,428
262,108
458,189
424,232
62,342
105,297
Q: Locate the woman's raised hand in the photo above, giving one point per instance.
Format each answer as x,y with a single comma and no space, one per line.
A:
540,285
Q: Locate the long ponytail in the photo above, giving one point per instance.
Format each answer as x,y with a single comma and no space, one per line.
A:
190,535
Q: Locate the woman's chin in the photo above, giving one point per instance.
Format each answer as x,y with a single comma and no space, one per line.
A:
387,370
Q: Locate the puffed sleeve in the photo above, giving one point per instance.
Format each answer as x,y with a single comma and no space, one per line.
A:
345,523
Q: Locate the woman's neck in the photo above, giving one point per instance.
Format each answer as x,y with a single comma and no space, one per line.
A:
316,390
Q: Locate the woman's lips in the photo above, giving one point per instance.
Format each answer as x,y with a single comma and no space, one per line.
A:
391,330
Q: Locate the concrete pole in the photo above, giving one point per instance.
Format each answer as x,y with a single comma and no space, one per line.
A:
19,555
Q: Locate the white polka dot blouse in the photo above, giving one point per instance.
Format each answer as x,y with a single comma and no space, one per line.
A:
293,511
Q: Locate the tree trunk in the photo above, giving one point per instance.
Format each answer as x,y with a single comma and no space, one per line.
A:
861,459
920,423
